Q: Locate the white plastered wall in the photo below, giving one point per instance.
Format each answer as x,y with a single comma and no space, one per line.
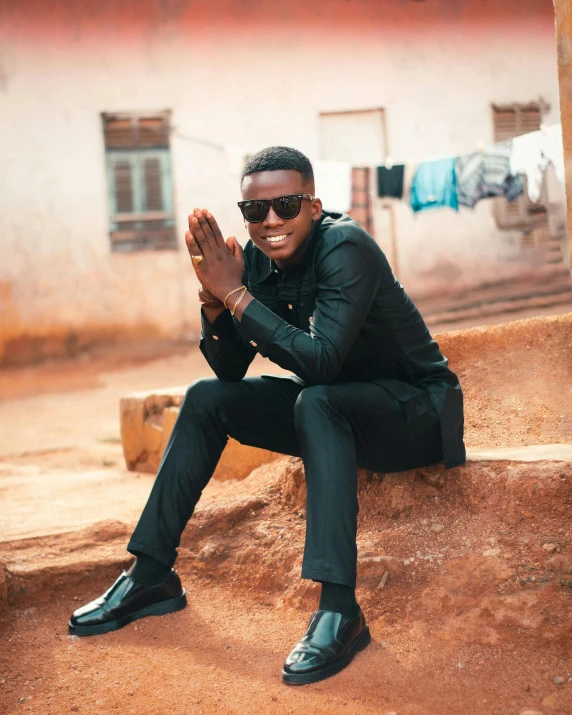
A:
242,76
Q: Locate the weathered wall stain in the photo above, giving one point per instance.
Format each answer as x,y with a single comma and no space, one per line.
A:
29,348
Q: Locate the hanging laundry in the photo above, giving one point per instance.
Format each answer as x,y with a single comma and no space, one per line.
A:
526,158
497,177
434,185
469,171
553,150
333,181
408,174
390,181
532,153
487,174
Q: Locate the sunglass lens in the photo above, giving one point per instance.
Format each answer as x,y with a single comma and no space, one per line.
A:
287,206
255,211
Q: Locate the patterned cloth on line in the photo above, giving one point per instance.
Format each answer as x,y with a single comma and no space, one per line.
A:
487,174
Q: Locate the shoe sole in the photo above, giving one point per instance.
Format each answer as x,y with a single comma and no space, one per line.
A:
157,609
361,642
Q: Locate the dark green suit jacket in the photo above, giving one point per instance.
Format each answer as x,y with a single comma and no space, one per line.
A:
340,315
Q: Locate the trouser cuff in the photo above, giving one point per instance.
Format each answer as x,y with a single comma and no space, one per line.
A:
156,552
327,572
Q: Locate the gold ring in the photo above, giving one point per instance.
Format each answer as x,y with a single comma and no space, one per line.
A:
196,260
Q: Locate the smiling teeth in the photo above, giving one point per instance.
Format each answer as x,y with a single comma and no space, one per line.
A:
276,239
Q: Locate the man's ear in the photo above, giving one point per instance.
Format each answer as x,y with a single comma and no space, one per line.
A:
316,209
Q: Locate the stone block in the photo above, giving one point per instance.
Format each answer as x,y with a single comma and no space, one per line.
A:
147,420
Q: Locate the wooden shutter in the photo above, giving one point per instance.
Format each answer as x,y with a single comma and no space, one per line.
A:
121,132
505,124
512,214
529,120
153,132
153,184
123,187
510,122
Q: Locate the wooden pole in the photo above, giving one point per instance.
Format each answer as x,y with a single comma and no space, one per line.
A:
563,11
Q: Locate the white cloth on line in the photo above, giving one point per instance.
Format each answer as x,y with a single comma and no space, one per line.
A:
333,180
554,151
532,153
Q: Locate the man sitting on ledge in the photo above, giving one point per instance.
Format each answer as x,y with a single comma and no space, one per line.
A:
315,294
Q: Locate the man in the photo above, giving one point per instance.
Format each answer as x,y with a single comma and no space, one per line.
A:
314,293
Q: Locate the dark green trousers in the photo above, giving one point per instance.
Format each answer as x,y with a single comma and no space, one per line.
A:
333,428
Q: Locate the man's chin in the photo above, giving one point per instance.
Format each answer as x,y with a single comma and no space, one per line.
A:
286,252
281,251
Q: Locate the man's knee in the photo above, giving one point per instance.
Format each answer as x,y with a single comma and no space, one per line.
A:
311,401
206,394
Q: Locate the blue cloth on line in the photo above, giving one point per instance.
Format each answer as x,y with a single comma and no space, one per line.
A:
434,185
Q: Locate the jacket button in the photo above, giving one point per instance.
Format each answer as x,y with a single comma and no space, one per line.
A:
215,337
254,345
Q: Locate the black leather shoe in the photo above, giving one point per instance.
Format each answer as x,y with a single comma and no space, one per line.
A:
327,647
127,601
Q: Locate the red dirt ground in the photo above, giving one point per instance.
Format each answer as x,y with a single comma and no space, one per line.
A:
475,619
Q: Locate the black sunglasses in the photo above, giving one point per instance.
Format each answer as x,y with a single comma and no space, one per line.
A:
257,210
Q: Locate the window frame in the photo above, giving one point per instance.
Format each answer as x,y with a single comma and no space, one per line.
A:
141,228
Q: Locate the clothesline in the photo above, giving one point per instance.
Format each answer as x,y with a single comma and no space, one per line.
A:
391,161
454,181
496,170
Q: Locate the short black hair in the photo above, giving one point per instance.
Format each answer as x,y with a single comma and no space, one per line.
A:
279,158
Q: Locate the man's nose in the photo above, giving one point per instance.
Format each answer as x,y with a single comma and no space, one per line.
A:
272,218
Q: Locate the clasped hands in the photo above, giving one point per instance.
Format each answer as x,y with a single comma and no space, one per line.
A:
222,263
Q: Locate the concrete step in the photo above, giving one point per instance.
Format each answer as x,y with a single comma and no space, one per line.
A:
502,297
512,308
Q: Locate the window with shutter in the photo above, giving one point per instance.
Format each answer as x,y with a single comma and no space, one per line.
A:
509,122
139,182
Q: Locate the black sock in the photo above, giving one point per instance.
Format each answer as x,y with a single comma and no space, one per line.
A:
338,598
148,571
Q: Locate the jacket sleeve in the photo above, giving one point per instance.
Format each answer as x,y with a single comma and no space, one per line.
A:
348,279
224,350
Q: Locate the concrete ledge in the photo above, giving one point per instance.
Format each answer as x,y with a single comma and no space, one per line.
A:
147,420
532,453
